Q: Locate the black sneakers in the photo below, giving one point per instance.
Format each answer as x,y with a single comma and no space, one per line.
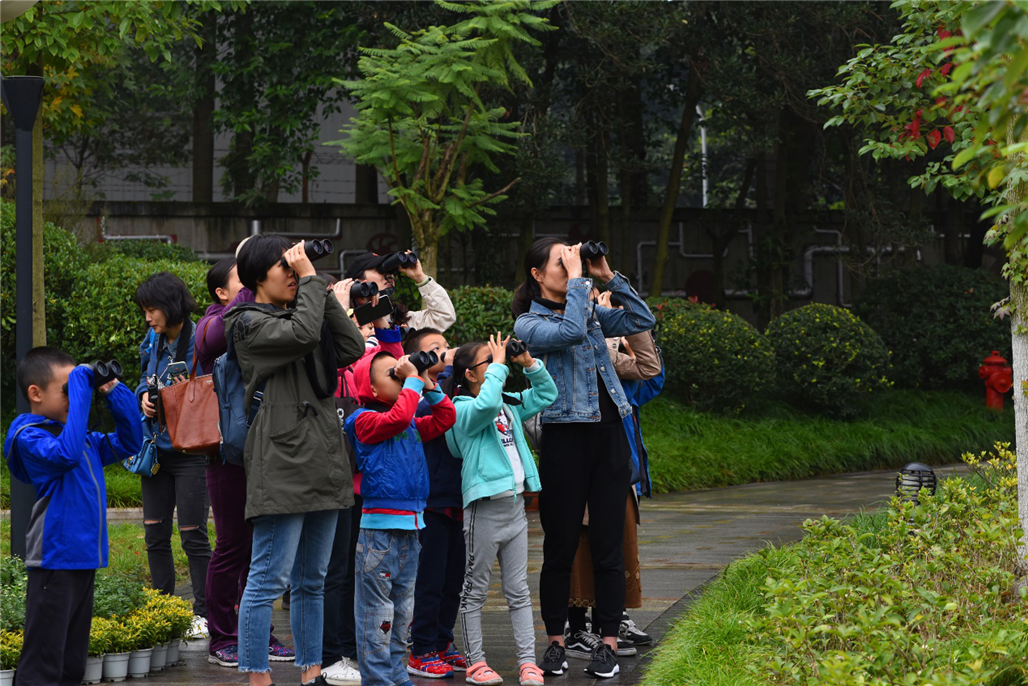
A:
581,645
604,664
554,662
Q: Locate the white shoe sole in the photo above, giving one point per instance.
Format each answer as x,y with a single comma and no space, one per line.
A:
556,672
214,660
627,651
339,681
603,675
278,658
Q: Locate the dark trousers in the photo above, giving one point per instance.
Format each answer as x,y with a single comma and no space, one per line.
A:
230,561
347,622
583,464
58,612
180,482
440,577
335,588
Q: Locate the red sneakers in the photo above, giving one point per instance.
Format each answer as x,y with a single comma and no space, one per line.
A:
451,657
429,665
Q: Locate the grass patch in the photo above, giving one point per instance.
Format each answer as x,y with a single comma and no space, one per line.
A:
774,442
911,595
127,550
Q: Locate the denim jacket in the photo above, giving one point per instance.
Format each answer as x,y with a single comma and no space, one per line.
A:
571,345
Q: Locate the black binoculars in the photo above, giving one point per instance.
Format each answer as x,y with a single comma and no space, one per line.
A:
423,359
396,261
592,250
515,348
314,250
103,372
361,289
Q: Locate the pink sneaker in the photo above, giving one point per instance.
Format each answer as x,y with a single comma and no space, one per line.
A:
480,674
531,675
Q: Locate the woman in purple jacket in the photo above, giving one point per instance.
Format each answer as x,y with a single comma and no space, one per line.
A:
226,486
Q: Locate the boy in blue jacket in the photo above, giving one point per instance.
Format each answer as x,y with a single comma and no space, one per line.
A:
387,441
441,564
52,449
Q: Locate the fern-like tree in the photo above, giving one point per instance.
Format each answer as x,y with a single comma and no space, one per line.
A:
425,117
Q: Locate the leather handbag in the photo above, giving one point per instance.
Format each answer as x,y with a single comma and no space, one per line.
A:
191,411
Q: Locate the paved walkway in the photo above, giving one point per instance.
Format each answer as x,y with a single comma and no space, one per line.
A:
684,541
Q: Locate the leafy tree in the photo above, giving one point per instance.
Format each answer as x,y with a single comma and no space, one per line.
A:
425,119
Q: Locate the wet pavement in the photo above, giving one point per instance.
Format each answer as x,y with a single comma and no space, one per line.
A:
685,539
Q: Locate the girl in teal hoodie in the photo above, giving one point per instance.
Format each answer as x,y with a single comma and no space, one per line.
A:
498,467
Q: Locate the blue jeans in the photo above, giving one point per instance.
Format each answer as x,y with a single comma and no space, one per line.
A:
300,543
386,566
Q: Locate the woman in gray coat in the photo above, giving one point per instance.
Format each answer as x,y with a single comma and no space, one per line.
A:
290,342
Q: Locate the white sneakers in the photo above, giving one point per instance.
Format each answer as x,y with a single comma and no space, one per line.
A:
342,673
198,629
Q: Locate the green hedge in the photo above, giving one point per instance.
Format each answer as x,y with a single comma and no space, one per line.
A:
715,360
938,324
481,310
828,359
90,308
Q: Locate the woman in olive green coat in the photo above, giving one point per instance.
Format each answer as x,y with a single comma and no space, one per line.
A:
290,342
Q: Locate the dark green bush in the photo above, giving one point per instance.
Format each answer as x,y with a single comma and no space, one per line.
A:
102,318
148,250
117,595
937,322
481,310
715,360
63,263
828,359
13,583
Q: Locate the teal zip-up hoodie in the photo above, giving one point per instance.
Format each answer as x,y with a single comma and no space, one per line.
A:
474,439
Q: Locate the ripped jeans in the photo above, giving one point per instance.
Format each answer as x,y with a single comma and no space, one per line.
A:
180,482
386,569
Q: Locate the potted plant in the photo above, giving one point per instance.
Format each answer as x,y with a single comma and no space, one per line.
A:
146,628
120,642
179,617
10,651
99,645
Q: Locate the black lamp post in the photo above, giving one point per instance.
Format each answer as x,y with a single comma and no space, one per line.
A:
22,96
912,479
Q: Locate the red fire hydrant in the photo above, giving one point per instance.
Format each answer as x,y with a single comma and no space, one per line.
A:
998,378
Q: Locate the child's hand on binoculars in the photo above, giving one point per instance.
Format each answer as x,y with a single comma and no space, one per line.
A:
342,292
405,369
415,272
108,387
298,261
498,348
148,407
430,385
571,258
524,359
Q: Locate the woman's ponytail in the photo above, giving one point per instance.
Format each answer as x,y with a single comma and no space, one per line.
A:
536,258
462,360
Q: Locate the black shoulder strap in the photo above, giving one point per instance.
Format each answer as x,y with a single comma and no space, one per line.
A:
183,340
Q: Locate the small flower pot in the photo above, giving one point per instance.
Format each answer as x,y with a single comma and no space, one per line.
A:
94,670
115,666
159,659
6,677
173,646
139,663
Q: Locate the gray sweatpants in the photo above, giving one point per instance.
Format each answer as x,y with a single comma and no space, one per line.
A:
497,529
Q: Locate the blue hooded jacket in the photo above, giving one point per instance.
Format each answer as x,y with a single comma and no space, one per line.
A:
639,393
68,526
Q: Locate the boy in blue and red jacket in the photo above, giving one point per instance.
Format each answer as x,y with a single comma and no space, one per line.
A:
387,440
52,449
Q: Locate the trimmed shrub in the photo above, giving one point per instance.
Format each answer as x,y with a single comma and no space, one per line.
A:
481,310
102,319
828,359
145,250
715,360
63,263
938,324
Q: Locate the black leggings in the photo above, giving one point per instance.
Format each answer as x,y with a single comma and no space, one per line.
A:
583,464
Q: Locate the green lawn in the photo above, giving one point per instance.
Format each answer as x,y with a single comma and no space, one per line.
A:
773,442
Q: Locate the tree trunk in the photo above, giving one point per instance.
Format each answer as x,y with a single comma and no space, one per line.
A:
692,96
365,184
602,211
1019,346
203,113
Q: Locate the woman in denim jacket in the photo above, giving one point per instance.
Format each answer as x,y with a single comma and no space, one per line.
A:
585,453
